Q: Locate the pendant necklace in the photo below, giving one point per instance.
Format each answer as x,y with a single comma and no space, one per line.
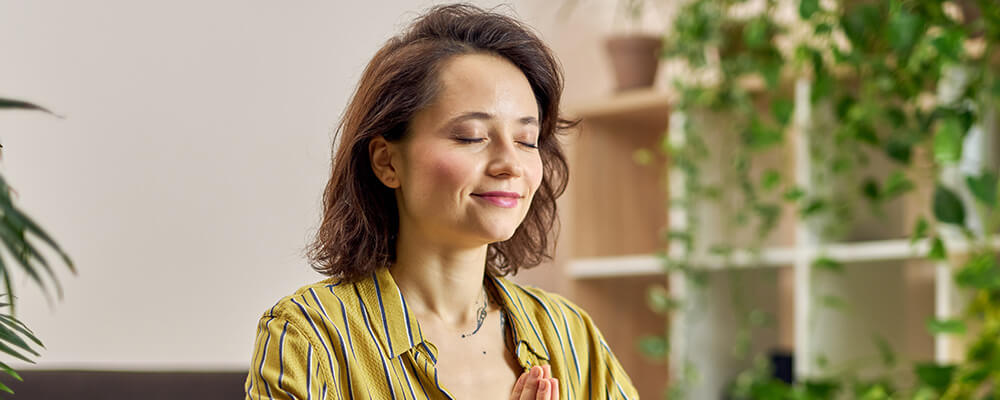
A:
480,317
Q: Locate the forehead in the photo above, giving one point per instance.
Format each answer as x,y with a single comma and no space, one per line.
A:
483,83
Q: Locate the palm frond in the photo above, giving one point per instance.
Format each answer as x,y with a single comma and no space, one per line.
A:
24,105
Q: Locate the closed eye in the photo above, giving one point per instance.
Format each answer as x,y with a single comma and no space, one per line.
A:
533,146
470,140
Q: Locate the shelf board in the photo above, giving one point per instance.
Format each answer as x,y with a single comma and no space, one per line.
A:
771,257
627,104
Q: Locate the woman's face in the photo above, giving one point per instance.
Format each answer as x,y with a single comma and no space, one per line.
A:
467,169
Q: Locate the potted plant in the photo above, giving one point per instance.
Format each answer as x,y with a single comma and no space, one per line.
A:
633,54
16,340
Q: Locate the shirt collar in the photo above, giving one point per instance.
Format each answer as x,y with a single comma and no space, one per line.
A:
396,329
514,299
399,331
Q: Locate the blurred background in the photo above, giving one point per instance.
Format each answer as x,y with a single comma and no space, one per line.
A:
766,197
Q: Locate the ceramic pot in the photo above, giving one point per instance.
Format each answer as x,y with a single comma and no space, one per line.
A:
634,59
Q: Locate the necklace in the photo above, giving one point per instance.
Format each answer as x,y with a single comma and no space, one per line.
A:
480,317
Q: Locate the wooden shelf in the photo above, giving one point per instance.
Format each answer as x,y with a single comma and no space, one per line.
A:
639,104
858,252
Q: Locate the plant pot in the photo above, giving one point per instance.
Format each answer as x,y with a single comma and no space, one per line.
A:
635,59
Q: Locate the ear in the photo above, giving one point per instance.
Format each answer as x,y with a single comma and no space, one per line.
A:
380,152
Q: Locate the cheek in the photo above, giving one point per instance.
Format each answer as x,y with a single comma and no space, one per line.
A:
534,173
442,169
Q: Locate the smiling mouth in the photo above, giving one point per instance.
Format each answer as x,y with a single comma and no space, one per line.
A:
505,200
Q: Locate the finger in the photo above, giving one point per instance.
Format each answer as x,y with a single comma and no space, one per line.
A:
548,371
554,384
543,390
531,383
519,386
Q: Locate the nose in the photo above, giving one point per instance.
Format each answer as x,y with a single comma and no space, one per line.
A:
505,161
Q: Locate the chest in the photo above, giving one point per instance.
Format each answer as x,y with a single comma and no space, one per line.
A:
477,366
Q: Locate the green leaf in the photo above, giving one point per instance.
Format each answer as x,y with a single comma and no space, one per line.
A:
9,336
15,245
897,184
659,300
771,71
794,193
654,346
946,326
844,105
759,137
885,351
834,302
7,284
813,207
983,187
829,264
950,44
19,326
18,104
4,348
935,376
899,149
782,110
904,30
859,23
32,226
755,33
937,251
980,272
770,179
864,133
926,393
870,189
948,207
823,29
919,230
948,141
10,371
807,8
682,236
820,389
896,116
822,86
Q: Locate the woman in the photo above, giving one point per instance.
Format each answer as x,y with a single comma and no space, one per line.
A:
444,181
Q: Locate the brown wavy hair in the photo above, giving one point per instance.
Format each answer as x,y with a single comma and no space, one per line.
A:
360,217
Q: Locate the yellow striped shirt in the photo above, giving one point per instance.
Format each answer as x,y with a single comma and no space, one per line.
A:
333,340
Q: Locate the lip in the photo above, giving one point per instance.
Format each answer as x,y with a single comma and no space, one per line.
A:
501,199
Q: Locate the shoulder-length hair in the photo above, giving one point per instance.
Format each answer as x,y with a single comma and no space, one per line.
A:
360,217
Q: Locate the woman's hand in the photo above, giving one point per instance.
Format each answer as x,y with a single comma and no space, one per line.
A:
536,383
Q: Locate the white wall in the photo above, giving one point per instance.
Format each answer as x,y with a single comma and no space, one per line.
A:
186,177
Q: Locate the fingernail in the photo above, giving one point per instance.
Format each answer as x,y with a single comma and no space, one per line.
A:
536,372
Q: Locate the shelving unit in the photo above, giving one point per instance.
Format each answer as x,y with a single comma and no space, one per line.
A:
620,212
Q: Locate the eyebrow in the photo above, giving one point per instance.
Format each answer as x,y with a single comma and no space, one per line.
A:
484,115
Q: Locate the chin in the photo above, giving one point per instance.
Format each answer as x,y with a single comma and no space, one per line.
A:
501,237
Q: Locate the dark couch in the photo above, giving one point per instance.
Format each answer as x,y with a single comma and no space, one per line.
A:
115,385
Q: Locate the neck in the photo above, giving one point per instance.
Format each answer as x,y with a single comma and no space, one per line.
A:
444,282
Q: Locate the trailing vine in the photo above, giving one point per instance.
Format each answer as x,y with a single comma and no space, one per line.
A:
888,79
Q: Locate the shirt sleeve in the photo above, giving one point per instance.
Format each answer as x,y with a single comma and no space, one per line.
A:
284,364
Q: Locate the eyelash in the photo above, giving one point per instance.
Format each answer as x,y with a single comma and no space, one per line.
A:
464,140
